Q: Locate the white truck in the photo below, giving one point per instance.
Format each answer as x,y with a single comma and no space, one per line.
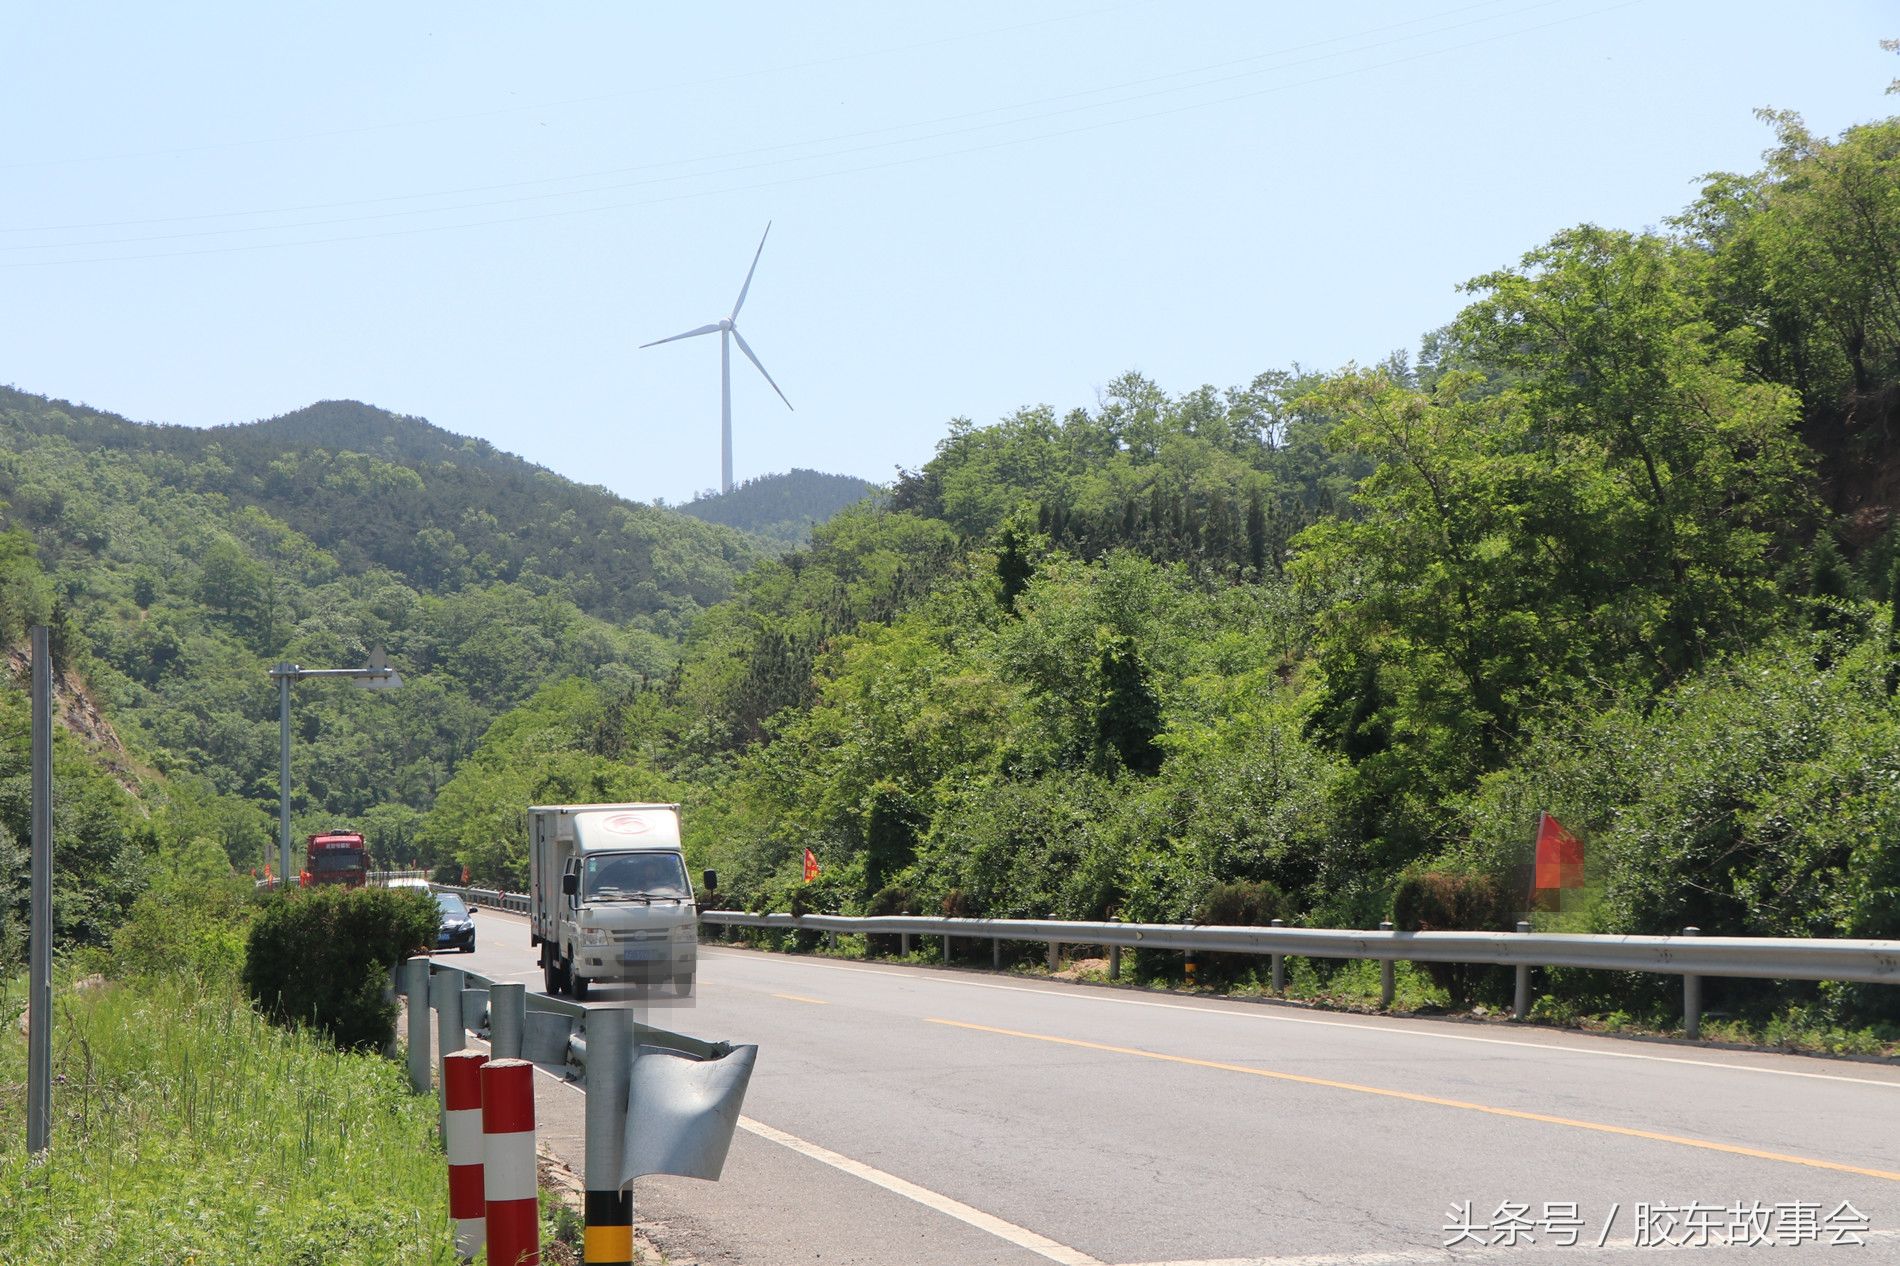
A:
609,900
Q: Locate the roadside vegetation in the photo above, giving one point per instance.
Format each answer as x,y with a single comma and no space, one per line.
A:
188,1128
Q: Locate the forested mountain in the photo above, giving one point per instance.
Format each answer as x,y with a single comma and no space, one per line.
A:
1617,544
782,508
177,565
372,488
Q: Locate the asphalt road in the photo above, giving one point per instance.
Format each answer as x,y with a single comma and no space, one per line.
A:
905,1115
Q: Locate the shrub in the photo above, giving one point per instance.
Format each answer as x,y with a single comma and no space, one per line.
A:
1457,901
893,899
322,957
1241,903
178,925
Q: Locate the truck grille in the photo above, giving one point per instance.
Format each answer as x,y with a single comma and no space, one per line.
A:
626,938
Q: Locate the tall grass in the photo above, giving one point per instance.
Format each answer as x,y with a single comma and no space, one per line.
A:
189,1131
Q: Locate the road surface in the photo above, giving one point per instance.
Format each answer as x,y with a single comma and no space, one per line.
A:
904,1115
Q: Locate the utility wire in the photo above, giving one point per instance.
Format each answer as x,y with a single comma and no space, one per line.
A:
766,149
820,175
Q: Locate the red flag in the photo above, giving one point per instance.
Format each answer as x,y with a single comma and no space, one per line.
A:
811,866
464,876
1559,855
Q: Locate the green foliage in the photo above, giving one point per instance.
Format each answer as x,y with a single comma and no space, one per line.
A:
324,956
1457,901
188,1129
194,921
781,508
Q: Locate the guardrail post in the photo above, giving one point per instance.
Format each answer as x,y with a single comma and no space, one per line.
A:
508,1169
1692,999
831,939
415,982
1279,963
445,995
1114,962
507,1017
903,944
1055,957
1385,973
608,1208
462,1143
1521,998
946,950
996,953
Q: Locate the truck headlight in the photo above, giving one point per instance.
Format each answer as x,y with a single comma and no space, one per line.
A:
595,936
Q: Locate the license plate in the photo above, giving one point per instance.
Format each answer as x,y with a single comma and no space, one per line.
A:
643,953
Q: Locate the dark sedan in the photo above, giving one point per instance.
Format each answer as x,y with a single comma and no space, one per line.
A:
458,924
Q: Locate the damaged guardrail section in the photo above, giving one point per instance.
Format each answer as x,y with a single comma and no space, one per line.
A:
658,1102
1690,955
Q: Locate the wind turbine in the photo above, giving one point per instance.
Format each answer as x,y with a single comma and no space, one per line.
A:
728,331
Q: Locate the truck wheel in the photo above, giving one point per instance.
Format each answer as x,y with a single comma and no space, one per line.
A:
683,985
551,973
577,984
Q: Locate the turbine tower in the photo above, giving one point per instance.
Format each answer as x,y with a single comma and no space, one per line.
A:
728,331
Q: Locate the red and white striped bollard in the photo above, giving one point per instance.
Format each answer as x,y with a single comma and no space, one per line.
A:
462,1140
508,1170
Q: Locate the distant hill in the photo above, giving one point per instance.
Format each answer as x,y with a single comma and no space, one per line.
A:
441,510
782,508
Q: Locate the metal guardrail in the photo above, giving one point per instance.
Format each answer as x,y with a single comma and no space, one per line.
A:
683,1093
516,902
1690,955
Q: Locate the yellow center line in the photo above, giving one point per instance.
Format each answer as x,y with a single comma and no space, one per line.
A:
799,997
1708,1145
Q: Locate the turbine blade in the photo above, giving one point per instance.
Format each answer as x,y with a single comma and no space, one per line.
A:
740,339
748,273
704,329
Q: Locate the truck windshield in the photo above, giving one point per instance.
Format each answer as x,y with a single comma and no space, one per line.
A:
336,859
629,876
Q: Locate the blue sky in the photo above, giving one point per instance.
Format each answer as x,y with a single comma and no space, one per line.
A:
475,213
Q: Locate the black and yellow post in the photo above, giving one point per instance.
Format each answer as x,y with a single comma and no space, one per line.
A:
609,1237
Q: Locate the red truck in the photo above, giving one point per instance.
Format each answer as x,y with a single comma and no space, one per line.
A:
336,857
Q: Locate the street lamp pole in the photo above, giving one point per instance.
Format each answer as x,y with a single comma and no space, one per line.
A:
374,675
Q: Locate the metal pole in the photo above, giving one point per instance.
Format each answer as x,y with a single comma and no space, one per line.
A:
1521,1003
1385,974
996,953
39,1001
1279,964
283,673
946,951
415,982
445,995
608,1208
1692,999
507,1017
1114,962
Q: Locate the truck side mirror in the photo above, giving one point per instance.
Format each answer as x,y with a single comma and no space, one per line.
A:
711,878
570,884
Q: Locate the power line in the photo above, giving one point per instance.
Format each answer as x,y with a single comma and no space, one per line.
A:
746,153
804,178
592,100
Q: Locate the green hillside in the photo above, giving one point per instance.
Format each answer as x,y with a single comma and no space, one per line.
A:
782,508
178,564
1613,545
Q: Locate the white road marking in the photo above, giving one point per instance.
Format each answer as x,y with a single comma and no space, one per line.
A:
1273,1017
1022,1237
1447,1257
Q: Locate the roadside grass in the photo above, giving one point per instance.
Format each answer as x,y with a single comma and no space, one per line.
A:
187,1131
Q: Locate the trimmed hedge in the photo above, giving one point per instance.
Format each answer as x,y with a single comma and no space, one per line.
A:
1458,901
322,957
